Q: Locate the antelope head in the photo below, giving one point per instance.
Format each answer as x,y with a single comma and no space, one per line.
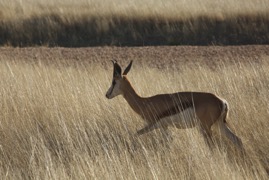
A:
117,85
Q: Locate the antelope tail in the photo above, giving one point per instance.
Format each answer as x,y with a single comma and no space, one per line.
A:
225,130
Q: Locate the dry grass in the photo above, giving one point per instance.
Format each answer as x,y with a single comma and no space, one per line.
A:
57,124
140,8
91,22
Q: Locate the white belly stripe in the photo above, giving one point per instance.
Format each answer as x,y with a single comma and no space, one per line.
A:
183,120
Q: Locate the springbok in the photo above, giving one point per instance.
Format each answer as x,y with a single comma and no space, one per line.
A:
181,110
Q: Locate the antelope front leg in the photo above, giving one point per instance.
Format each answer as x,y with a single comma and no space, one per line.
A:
147,129
164,130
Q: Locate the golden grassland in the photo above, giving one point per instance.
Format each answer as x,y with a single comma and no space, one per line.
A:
141,8
55,123
80,23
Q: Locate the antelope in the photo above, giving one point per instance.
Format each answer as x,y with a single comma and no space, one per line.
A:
181,110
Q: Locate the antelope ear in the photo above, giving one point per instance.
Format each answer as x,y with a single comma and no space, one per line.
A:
117,69
127,69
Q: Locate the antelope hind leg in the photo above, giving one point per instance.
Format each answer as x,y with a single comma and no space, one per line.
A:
207,134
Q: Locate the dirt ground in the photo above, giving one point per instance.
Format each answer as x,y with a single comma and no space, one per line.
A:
153,56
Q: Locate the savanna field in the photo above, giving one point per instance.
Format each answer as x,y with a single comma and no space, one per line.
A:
56,123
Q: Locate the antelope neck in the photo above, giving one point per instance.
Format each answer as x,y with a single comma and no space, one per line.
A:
133,99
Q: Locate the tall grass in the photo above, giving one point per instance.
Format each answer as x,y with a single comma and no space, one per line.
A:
93,23
55,123
141,8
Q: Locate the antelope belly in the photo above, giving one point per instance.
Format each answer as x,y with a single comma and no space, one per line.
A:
182,120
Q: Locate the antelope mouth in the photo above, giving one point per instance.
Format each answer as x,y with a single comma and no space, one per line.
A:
107,96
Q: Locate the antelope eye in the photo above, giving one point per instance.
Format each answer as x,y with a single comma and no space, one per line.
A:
113,82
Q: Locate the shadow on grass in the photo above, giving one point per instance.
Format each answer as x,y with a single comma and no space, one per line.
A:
56,30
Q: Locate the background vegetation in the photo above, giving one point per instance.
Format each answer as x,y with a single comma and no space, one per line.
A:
93,23
57,124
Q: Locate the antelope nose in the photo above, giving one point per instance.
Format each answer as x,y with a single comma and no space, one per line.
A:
107,96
